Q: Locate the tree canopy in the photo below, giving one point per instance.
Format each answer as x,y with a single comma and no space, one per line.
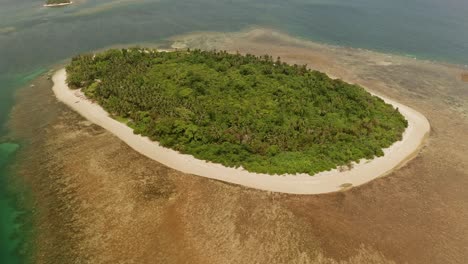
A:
239,110
55,2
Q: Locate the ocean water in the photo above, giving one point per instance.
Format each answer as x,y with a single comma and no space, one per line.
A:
8,212
33,38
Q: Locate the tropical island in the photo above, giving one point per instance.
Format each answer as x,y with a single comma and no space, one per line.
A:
52,3
257,113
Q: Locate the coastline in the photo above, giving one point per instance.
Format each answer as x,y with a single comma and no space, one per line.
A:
57,5
324,182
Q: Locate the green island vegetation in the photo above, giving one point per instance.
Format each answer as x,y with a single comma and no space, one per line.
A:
239,110
57,2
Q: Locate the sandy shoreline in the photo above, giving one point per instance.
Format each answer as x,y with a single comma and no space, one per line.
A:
324,182
57,5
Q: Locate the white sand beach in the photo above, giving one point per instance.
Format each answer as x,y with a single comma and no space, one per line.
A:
330,181
57,5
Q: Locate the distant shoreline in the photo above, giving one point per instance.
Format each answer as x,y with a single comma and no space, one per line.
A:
56,5
329,181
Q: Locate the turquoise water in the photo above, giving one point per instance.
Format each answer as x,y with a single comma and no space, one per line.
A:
13,230
9,242
32,38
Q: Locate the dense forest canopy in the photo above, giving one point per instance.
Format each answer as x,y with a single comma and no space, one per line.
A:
255,112
55,2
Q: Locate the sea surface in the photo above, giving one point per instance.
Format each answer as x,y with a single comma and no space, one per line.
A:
33,38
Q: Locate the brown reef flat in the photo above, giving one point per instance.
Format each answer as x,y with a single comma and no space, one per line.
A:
464,77
98,201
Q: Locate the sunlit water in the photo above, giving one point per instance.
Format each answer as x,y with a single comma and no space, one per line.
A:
32,38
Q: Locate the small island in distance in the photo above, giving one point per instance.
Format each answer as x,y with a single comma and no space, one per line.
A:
240,111
54,3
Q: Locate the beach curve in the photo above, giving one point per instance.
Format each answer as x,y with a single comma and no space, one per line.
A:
57,5
324,182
